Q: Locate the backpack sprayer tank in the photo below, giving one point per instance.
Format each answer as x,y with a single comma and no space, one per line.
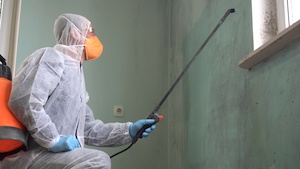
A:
12,133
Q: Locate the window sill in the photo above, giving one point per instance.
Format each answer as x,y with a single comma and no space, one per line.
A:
274,45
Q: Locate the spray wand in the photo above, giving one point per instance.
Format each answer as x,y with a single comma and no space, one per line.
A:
154,115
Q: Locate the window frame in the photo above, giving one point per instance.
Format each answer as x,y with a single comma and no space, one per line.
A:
271,43
9,31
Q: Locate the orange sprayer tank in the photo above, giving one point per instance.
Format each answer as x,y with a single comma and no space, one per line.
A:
12,133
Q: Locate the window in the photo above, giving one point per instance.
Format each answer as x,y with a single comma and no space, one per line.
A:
275,24
0,11
293,13
270,17
287,13
9,28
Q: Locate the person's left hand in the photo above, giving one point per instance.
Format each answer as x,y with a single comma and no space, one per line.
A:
135,127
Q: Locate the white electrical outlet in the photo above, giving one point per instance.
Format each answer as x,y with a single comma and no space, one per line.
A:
118,111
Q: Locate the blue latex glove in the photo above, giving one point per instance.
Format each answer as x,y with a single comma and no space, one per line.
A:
135,127
65,143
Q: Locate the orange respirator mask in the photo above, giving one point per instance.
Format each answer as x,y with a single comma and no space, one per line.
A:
93,48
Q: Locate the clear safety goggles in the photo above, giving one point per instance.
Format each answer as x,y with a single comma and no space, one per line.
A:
92,30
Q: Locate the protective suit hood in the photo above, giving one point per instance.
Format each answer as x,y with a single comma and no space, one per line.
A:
70,32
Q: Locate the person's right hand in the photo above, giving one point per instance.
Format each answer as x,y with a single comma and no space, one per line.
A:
65,143
135,127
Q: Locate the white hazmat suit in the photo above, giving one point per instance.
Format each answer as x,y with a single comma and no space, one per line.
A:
49,97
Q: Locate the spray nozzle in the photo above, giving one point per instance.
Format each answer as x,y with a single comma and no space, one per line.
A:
232,10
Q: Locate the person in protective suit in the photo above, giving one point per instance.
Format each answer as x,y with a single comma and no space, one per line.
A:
49,97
